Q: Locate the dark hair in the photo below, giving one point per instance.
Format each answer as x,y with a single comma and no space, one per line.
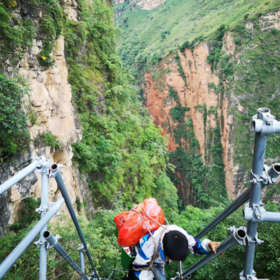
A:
175,245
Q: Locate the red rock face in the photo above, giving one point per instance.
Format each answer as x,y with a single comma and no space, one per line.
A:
194,92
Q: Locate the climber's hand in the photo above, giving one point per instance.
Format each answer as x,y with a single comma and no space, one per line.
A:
213,247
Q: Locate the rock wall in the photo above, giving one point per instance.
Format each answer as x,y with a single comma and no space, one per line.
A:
49,99
196,92
142,4
148,4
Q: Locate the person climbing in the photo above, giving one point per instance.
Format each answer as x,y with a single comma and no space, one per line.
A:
167,244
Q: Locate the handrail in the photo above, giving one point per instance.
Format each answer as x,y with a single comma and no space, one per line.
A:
239,201
238,236
27,240
263,124
37,163
53,241
41,227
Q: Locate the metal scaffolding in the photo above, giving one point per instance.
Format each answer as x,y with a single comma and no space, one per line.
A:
47,211
263,124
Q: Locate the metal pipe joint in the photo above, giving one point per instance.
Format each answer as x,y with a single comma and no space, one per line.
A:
258,214
82,248
55,169
269,176
248,277
265,123
53,243
240,235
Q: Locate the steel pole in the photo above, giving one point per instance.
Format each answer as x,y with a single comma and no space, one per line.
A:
255,196
20,175
82,261
238,236
43,208
271,217
55,244
230,209
180,270
26,241
57,175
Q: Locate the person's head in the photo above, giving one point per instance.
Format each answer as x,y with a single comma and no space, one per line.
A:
175,245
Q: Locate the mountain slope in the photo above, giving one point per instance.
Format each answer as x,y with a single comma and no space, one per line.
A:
209,73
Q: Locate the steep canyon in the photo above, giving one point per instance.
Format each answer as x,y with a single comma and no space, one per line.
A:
208,86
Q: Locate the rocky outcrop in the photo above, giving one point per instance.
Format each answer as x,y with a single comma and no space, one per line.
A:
142,4
270,21
148,4
195,92
49,99
190,76
49,102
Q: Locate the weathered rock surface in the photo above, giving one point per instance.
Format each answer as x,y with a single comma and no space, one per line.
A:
49,100
143,4
197,92
270,21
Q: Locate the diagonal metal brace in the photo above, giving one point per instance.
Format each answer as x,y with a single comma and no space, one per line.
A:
49,246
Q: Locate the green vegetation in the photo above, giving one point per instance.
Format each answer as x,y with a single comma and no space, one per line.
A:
47,139
173,94
180,68
178,113
216,47
158,76
142,41
121,149
78,204
14,38
14,135
32,116
198,184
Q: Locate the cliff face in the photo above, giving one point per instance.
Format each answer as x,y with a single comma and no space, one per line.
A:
195,92
49,101
223,99
190,81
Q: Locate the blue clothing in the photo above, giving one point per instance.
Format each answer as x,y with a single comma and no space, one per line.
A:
159,272
146,250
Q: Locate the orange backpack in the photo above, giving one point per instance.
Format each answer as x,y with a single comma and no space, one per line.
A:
133,225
